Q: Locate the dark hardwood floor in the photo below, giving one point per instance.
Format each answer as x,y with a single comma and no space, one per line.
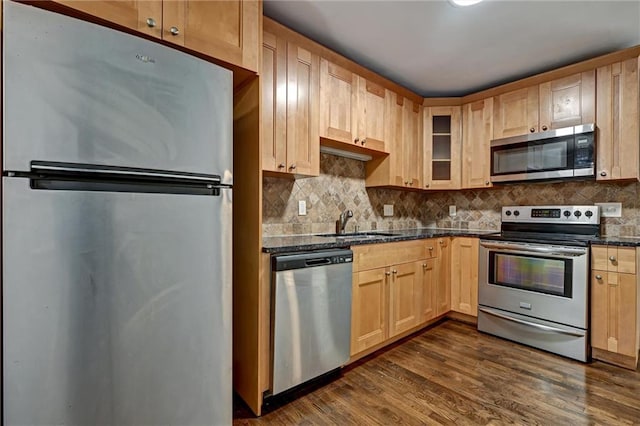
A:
452,374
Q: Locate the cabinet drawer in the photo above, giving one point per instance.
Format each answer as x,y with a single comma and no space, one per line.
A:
614,259
373,256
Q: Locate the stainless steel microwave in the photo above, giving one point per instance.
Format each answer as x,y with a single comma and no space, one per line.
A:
557,154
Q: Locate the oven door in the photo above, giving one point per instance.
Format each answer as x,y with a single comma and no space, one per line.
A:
543,281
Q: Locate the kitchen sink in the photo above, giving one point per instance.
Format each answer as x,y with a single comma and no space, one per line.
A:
358,235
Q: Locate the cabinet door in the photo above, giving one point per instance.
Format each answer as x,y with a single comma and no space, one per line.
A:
337,103
398,146
568,101
617,119
303,140
443,277
442,145
404,297
368,313
225,29
144,16
464,275
372,111
428,281
274,104
613,312
412,144
516,113
477,132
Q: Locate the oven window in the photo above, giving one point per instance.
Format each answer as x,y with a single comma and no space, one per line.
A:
533,273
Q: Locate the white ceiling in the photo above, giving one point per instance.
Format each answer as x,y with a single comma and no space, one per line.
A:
436,49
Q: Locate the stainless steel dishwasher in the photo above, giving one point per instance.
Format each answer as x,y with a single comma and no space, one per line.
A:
310,315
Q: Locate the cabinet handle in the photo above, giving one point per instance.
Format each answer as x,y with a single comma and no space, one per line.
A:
424,265
394,271
430,248
410,183
441,242
612,258
406,182
486,182
598,277
387,273
363,141
426,185
292,167
603,173
533,129
356,140
281,166
544,127
151,22
174,31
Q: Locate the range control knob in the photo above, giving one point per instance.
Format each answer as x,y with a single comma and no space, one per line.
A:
577,213
588,213
566,213
508,212
516,213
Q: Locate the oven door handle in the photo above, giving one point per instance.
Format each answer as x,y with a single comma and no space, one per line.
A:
555,251
531,324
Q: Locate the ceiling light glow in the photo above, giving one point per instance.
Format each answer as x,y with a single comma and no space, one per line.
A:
464,2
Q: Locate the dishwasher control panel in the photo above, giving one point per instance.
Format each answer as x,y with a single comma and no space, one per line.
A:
311,259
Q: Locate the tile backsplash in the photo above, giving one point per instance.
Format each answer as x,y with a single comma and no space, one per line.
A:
341,186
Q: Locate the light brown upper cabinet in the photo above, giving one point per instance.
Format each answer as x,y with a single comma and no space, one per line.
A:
353,110
411,145
567,101
290,108
402,167
442,146
477,132
141,16
225,30
617,120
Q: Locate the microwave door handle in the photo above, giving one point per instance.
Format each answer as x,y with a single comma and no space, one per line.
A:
564,252
531,324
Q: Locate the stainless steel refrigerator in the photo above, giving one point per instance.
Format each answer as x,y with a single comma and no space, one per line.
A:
116,228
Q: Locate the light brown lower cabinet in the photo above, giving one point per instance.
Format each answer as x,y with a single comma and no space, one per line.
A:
464,275
615,300
442,283
393,291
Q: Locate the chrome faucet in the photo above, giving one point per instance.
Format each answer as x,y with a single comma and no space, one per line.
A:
342,222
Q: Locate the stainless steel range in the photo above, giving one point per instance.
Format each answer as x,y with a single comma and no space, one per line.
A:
534,277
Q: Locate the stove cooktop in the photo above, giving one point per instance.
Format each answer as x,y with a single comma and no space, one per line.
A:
542,238
563,225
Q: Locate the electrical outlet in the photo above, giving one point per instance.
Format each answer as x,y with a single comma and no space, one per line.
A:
452,211
388,210
302,208
610,209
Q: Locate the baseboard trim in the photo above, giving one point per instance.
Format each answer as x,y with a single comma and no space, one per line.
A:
624,361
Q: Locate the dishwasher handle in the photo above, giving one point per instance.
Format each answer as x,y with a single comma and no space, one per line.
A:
318,262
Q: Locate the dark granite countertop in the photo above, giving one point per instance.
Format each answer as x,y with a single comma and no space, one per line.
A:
617,241
294,243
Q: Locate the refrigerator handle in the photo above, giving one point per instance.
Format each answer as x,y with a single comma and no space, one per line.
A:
91,177
101,172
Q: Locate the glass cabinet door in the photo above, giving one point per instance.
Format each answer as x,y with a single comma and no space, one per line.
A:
442,140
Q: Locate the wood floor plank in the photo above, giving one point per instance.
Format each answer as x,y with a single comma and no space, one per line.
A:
452,374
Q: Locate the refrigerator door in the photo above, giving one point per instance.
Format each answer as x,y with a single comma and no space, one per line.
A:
77,92
116,307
